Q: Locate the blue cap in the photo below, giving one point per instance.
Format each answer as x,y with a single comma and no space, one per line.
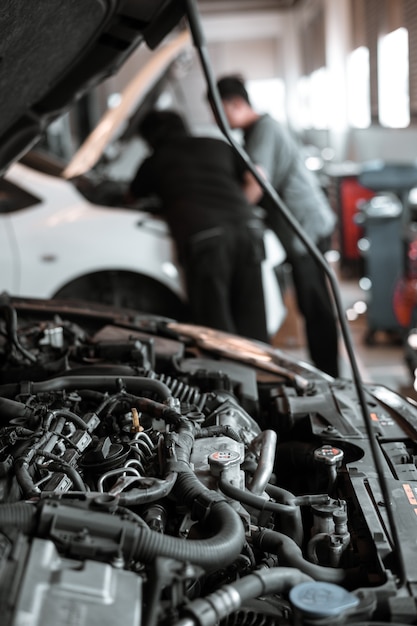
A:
318,599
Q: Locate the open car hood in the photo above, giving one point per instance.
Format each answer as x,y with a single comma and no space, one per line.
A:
52,51
160,474
114,120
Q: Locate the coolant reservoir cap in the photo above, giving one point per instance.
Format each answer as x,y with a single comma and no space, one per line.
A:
223,459
319,599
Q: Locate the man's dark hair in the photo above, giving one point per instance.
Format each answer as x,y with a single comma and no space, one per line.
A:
157,126
231,87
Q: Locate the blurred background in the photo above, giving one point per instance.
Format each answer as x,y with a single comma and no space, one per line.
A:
342,74
330,69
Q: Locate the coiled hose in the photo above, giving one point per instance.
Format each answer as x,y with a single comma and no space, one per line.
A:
21,515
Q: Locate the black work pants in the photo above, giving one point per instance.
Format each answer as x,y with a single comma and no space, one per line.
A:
316,305
224,280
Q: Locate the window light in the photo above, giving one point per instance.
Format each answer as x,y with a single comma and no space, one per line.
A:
358,88
393,90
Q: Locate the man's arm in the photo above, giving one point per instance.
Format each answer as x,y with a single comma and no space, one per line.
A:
252,189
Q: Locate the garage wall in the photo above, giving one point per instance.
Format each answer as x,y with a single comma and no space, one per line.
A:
257,60
250,44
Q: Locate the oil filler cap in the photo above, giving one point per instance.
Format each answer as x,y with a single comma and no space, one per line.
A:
329,455
319,599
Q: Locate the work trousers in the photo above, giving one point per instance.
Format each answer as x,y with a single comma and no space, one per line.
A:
224,280
316,305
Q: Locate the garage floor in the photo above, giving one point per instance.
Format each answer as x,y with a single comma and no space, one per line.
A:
383,362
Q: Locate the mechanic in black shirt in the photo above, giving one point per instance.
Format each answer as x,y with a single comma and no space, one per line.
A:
219,238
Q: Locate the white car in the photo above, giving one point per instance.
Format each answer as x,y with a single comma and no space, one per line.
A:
61,237
54,243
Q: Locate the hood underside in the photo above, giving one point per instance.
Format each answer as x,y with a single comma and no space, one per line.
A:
52,51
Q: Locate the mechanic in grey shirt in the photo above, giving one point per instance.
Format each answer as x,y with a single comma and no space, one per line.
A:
272,148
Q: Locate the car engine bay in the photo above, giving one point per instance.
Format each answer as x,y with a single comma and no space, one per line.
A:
156,473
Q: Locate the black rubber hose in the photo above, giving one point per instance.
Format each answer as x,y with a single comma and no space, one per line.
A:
211,553
19,514
10,409
24,479
228,533
216,431
156,490
10,317
293,526
256,502
64,467
102,370
22,463
72,474
289,514
69,416
291,555
218,605
224,524
282,495
145,405
113,384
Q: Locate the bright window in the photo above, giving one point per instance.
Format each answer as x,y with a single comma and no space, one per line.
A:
268,96
303,99
320,98
358,88
393,91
